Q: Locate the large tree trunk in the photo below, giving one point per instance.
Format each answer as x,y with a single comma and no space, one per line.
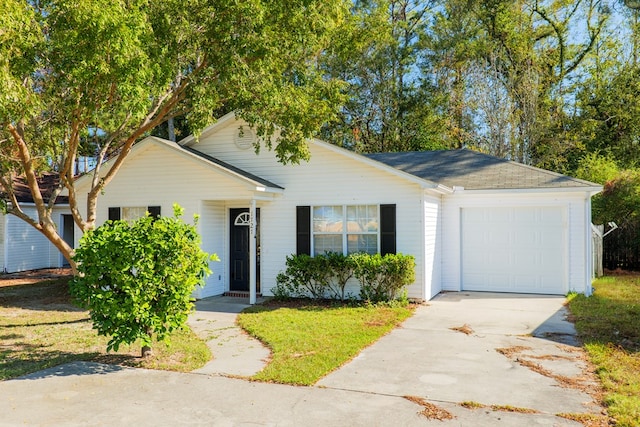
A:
67,251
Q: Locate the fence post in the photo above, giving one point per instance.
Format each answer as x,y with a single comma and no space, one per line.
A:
597,232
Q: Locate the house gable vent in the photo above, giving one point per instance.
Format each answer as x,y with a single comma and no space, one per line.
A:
244,138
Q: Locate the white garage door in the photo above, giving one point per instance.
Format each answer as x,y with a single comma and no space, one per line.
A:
514,249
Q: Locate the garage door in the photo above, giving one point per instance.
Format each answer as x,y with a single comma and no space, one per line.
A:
514,249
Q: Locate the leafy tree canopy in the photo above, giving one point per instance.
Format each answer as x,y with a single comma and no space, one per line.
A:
97,75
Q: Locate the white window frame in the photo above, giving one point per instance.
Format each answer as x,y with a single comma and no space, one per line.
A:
345,233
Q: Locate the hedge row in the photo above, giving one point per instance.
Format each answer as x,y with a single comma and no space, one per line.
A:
382,278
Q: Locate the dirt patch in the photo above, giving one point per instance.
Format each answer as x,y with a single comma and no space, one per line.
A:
465,329
33,276
501,408
588,420
430,410
44,291
512,352
314,304
585,382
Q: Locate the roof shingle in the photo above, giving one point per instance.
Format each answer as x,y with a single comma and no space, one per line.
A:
475,171
47,182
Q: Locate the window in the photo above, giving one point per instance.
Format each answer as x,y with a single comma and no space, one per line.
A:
345,229
368,227
133,213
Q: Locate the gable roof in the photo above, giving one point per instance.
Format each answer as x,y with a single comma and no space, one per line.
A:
229,167
259,184
477,171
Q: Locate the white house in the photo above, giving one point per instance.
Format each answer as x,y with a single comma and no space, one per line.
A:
472,221
22,247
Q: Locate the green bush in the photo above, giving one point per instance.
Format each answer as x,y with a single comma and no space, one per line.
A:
341,269
136,279
305,276
382,278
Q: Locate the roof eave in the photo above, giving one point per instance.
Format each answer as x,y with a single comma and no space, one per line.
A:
253,185
423,183
592,190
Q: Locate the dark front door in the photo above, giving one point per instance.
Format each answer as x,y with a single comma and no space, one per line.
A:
239,247
67,234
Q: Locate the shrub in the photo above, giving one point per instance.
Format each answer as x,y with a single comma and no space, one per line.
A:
383,277
136,279
305,276
341,270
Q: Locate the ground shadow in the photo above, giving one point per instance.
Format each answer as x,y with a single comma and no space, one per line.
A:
540,316
43,295
558,328
222,304
80,368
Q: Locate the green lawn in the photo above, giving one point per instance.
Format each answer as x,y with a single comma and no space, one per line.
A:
310,341
39,328
609,325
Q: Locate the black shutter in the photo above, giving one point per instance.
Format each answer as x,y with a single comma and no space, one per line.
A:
114,214
154,211
387,229
303,230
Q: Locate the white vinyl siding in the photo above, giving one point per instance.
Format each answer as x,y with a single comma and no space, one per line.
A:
26,248
320,182
428,224
213,230
432,246
157,176
2,243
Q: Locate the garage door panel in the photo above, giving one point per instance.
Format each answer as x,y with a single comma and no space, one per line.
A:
514,249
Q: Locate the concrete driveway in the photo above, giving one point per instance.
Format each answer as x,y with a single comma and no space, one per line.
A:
486,350
423,367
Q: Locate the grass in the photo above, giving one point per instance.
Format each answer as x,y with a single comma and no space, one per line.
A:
309,341
608,322
40,328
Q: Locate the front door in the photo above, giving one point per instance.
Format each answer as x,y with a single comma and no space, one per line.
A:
67,234
239,249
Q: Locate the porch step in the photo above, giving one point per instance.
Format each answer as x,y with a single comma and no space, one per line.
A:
240,294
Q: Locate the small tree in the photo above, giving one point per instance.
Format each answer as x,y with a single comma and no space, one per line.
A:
136,279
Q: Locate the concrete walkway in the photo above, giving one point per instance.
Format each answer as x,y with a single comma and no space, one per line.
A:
488,358
235,353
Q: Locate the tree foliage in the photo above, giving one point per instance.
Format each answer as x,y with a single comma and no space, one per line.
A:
69,68
389,106
498,76
136,279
